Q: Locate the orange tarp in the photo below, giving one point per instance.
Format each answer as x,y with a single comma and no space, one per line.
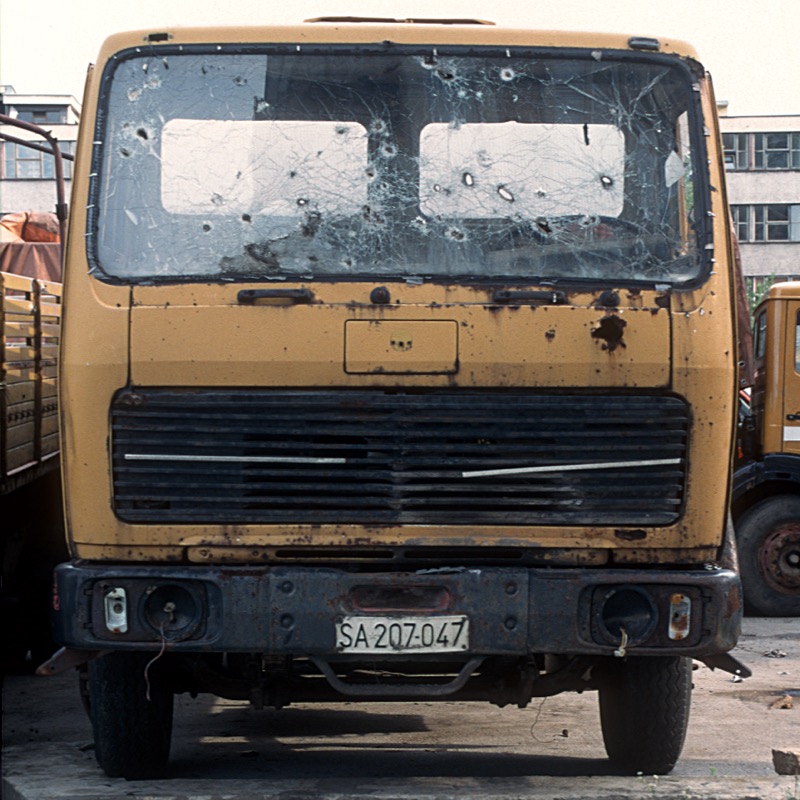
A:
29,245
32,259
29,226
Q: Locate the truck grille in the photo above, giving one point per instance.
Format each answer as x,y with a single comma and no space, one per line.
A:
377,457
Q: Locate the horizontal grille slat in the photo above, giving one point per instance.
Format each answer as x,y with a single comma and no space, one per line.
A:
189,456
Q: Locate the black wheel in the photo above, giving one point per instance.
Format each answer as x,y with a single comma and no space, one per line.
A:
644,711
131,732
768,540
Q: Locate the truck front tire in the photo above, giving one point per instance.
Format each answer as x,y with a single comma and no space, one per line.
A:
131,715
644,712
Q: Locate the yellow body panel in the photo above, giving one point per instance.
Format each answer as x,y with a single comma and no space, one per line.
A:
357,33
473,342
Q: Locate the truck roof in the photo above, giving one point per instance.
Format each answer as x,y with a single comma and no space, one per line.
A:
331,30
784,290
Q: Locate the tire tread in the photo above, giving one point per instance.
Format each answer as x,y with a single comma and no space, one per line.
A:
644,712
132,734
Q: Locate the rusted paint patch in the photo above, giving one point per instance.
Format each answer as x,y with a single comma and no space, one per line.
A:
610,330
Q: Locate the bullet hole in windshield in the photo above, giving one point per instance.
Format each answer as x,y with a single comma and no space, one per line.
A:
505,194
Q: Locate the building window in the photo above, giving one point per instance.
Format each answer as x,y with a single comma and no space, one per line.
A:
761,151
771,223
776,222
737,154
25,163
43,116
776,150
741,222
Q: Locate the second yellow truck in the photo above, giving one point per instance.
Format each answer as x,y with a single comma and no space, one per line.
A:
766,483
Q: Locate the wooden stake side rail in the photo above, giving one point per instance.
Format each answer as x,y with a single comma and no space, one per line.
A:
30,324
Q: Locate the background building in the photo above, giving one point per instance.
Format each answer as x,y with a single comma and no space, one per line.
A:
762,159
26,175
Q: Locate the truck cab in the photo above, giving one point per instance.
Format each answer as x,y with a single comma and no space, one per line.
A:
399,364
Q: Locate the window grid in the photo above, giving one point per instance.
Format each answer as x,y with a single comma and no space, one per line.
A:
776,222
43,116
761,151
771,223
741,222
776,150
25,163
737,154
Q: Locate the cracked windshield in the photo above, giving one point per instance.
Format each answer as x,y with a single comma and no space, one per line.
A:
347,164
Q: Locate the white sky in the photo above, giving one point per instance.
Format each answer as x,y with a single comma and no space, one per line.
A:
751,50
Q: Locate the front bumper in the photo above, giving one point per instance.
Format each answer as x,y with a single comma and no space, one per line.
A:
293,611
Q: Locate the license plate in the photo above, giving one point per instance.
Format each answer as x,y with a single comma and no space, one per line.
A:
402,634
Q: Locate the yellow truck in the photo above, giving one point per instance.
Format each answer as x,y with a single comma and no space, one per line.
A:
30,490
399,364
766,483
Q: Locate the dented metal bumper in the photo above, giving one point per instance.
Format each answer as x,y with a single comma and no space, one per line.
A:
303,611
